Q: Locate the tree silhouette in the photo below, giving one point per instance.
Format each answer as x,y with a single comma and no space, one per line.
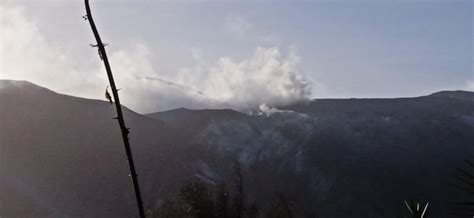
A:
195,200
222,207
195,195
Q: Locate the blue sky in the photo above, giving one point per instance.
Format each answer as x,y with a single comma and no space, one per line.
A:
342,48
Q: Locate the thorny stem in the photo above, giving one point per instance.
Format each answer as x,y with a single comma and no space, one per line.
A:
118,107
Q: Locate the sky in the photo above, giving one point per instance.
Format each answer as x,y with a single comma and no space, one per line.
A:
240,54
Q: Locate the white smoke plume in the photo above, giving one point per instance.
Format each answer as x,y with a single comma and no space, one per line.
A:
263,109
266,77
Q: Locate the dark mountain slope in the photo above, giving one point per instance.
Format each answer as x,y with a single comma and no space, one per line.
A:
462,95
62,156
344,157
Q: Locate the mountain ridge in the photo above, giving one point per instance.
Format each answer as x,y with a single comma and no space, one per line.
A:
454,94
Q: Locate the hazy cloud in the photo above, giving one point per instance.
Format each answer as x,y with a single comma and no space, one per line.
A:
238,25
25,53
267,76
